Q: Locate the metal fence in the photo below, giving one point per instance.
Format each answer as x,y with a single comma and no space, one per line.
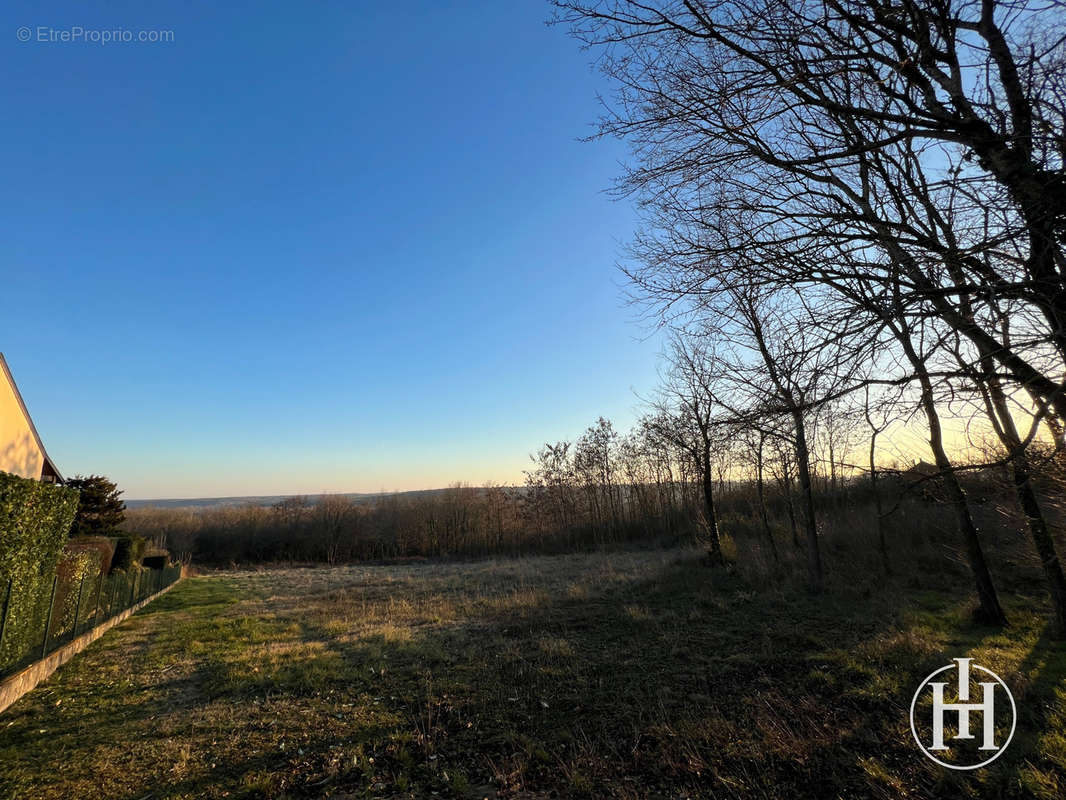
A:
93,601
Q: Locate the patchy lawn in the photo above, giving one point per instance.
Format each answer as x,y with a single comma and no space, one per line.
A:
624,675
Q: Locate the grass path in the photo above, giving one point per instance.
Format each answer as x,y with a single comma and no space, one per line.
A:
625,675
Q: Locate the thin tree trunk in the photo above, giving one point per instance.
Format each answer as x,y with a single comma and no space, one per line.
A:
762,497
998,410
989,609
882,543
786,482
1023,486
810,523
832,470
1044,544
715,554
803,465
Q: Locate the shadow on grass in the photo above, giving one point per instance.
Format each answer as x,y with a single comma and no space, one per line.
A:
685,682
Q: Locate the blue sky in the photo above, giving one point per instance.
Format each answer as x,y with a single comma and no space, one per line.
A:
331,246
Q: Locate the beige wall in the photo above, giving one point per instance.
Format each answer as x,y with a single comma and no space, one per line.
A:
19,453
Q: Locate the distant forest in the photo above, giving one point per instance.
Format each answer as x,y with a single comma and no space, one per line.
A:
605,490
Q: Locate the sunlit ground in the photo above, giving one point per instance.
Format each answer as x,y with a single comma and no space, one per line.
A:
627,675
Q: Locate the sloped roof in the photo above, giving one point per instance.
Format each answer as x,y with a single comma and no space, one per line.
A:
48,463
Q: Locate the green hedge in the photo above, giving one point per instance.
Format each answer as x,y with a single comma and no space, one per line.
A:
104,546
78,572
128,552
35,520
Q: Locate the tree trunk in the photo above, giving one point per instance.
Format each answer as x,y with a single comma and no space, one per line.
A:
1044,544
762,498
882,544
810,523
707,479
988,610
1023,486
786,482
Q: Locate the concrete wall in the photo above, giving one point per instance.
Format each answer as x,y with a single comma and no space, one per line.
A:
19,453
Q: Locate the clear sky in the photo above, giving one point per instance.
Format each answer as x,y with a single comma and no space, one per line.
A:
304,247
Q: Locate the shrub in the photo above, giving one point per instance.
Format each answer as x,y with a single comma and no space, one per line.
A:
741,526
129,550
35,519
77,575
102,545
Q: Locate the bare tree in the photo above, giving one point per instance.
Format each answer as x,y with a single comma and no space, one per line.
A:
831,143
766,113
551,483
792,393
878,418
754,440
332,515
998,411
686,418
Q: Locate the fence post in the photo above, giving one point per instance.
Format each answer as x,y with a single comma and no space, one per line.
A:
77,608
6,605
133,588
48,624
96,605
3,617
112,595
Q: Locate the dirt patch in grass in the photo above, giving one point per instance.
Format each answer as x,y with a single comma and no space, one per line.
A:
605,675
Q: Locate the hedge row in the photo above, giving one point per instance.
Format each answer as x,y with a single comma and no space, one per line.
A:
77,575
35,519
129,550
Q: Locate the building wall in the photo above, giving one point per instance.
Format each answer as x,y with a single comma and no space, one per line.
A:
19,453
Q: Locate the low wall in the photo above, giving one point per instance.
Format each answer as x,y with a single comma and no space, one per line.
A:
14,686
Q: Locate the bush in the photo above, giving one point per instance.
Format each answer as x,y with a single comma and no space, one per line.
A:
129,550
741,526
102,545
35,519
77,576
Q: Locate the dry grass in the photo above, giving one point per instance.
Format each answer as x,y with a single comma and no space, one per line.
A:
625,675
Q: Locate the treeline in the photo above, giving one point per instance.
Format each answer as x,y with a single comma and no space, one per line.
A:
600,490
559,510
603,489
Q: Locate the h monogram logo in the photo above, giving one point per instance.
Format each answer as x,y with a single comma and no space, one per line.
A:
960,712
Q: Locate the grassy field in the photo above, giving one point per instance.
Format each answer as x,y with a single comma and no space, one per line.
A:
604,675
